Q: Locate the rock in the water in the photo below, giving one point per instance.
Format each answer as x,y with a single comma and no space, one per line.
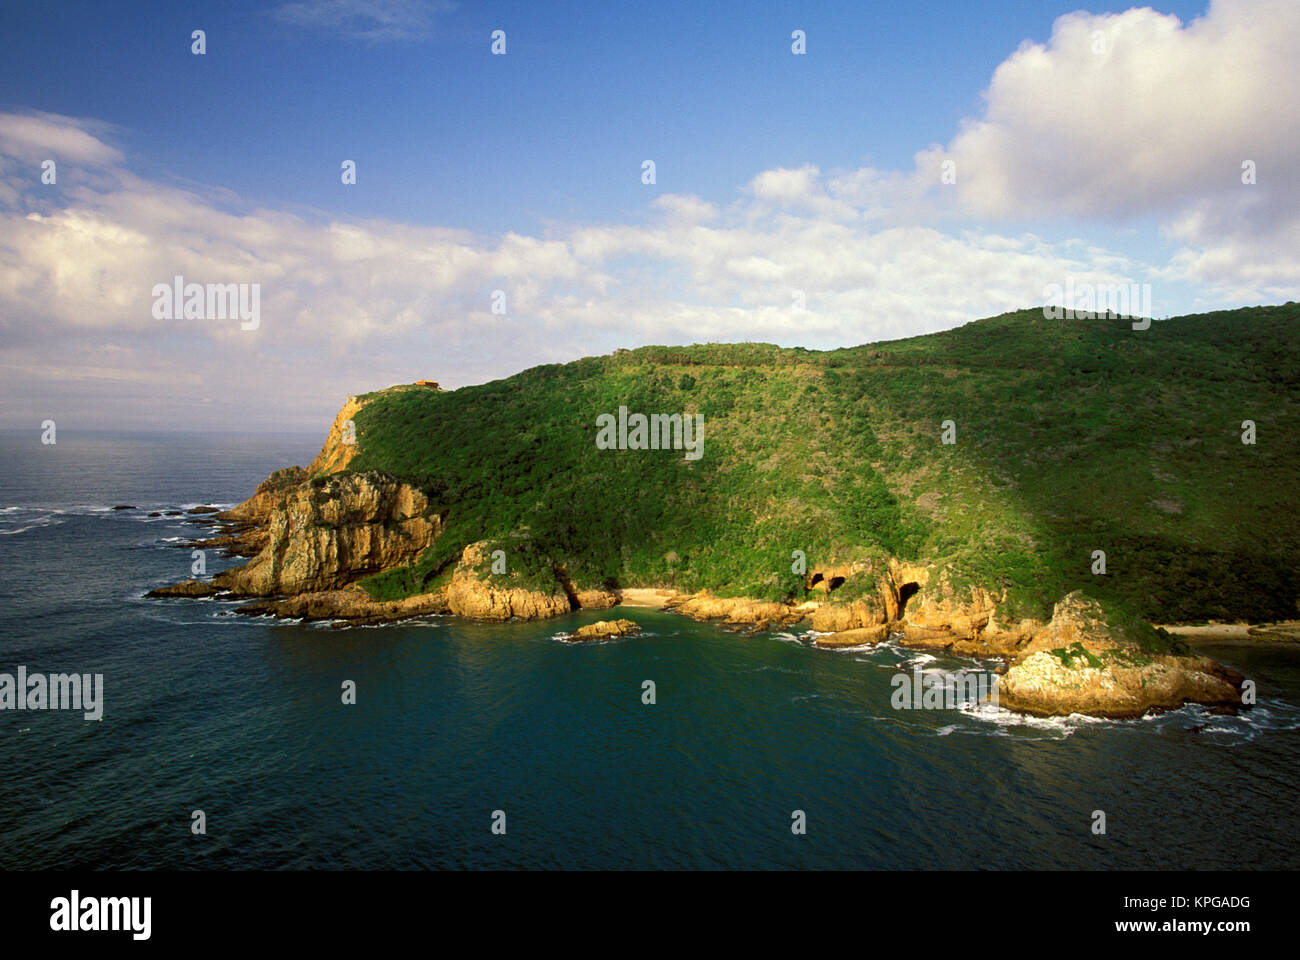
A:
124,506
855,637
1083,663
186,588
605,628
351,604
204,509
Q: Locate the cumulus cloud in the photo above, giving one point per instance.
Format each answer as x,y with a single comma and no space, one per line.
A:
1122,116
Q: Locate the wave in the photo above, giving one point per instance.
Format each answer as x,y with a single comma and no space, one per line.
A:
1190,720
17,520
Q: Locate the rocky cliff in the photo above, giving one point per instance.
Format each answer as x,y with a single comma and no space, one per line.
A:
325,534
341,444
495,596
1081,663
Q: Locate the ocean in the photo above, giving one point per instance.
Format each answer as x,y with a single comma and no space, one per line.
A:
459,725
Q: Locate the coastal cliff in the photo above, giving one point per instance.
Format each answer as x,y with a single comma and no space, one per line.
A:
325,534
822,497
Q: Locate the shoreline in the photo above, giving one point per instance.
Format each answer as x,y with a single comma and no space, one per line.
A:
291,575
1286,631
653,598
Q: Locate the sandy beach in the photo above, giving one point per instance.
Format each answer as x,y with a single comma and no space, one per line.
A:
1287,631
646,597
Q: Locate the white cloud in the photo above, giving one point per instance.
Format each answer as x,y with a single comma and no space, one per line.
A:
685,208
351,305
35,137
1135,114
375,21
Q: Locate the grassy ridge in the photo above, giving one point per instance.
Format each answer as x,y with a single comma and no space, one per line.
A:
1072,436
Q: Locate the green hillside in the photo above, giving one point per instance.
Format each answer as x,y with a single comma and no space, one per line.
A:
1071,436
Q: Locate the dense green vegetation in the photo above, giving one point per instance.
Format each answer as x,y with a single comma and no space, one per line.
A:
1071,436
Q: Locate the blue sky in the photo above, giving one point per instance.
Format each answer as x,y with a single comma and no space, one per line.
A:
776,175
445,133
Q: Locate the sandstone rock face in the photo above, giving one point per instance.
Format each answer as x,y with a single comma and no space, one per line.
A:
737,610
247,543
835,617
1075,619
480,598
338,452
925,607
585,598
854,638
1078,664
270,492
324,535
1042,684
939,604
606,628
596,599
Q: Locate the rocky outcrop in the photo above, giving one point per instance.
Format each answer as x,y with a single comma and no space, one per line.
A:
596,599
269,494
739,610
481,596
1082,663
328,533
854,638
880,604
186,588
351,603
247,542
941,603
603,629
922,607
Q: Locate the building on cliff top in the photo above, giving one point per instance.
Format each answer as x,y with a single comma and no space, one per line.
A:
431,384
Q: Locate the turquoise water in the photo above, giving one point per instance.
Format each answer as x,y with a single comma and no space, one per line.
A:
243,719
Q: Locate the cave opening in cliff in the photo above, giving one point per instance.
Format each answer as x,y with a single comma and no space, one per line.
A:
827,585
905,593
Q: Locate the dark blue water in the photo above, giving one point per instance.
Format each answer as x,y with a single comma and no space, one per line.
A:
243,719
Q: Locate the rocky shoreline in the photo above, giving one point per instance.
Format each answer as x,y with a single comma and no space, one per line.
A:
311,535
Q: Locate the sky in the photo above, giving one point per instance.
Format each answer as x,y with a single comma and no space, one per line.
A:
919,165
